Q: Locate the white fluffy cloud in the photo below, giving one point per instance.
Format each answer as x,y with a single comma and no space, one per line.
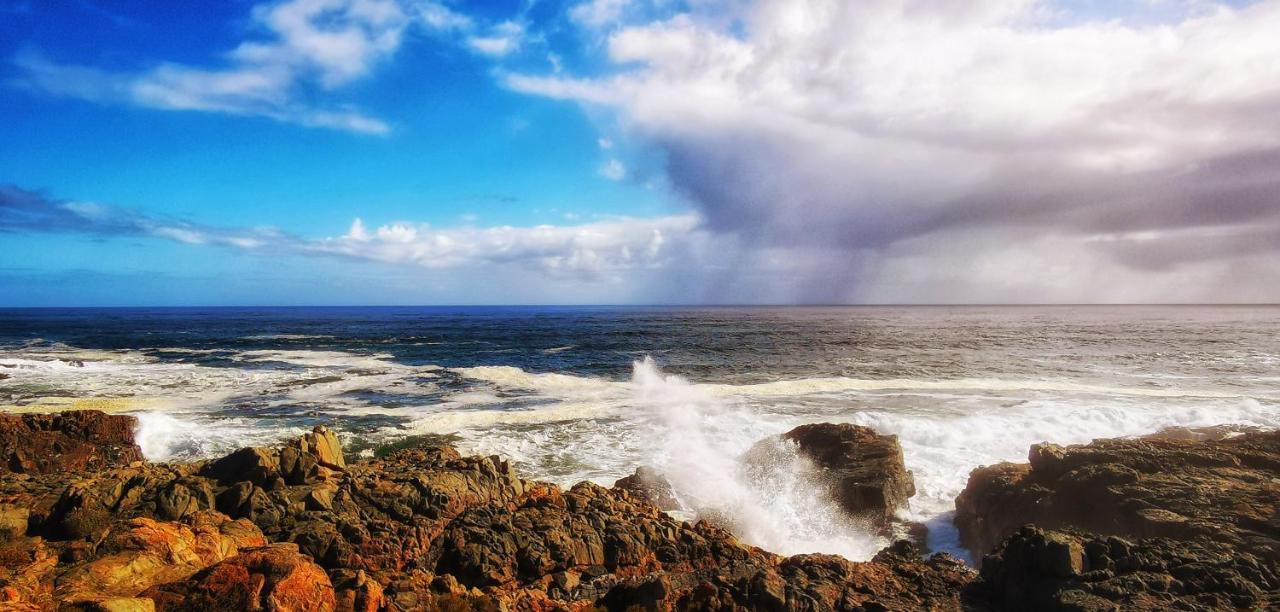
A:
296,49
900,133
501,40
598,251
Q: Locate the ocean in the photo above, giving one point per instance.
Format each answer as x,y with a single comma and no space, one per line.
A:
590,393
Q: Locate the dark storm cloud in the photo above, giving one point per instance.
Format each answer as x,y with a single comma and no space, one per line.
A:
912,141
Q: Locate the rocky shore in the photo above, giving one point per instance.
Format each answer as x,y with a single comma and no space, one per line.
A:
85,524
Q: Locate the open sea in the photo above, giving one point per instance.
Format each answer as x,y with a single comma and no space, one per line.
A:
590,393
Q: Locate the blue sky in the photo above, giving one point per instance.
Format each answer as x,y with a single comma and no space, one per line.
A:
624,151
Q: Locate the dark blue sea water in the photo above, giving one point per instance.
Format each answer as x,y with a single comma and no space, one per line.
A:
575,393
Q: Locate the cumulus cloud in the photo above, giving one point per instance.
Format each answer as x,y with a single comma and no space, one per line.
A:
600,251
896,134
298,50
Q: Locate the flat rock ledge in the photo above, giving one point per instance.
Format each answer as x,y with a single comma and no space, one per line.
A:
1178,520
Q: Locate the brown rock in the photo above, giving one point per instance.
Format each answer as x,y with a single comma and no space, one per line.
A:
75,441
650,485
863,470
1038,569
323,444
138,553
1183,487
274,577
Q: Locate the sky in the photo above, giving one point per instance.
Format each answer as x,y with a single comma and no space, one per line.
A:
298,152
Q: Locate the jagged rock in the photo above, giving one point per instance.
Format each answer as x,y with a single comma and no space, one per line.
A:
425,528
1217,488
898,579
862,469
650,485
323,444
272,577
77,441
1038,569
132,555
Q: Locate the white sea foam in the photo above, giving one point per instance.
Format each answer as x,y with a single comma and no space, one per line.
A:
551,383
163,436
699,446
565,428
697,432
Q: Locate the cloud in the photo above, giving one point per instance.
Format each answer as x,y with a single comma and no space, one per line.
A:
600,251
598,13
30,212
613,170
501,40
918,129
301,50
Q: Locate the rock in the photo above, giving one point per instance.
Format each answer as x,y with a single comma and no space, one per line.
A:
423,528
828,582
650,485
13,522
1039,569
75,441
1184,487
253,465
355,591
323,444
272,577
138,553
863,470
112,604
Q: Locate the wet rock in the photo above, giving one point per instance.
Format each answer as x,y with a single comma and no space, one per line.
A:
650,485
77,441
272,577
862,469
1216,487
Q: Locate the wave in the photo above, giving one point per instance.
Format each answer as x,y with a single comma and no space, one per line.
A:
549,382
516,378
565,427
696,433
289,337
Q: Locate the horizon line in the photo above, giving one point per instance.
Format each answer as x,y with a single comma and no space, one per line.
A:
668,305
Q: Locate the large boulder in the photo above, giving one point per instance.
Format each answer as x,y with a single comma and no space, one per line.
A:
862,470
1220,488
74,441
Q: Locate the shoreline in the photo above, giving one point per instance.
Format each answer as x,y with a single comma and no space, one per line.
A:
423,528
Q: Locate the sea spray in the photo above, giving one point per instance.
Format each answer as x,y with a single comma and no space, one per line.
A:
699,444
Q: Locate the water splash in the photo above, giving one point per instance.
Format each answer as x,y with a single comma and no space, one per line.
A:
699,442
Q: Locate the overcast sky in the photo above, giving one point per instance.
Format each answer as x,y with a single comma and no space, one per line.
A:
639,151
